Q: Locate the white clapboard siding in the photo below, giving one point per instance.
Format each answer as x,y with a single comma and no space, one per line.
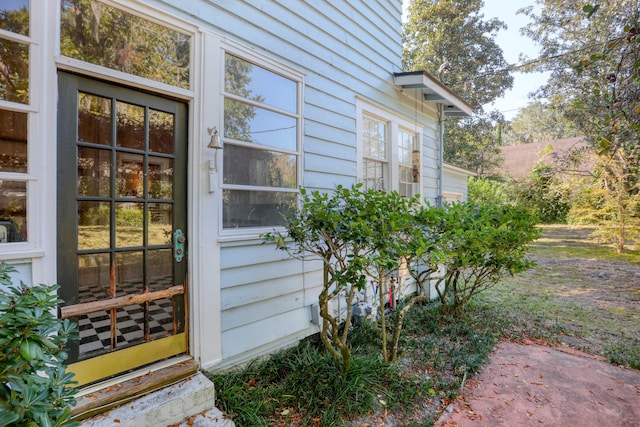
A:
345,49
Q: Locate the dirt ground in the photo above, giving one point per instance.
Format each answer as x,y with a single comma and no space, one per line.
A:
535,385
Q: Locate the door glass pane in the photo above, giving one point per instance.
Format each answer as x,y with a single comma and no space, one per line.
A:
13,141
161,314
14,78
160,223
130,273
248,166
161,133
13,211
93,277
94,172
14,16
129,226
129,126
160,269
130,325
161,311
130,175
94,226
95,333
94,119
103,35
248,123
250,81
160,178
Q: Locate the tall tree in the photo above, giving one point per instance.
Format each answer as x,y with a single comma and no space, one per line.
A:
593,53
453,40
538,122
474,143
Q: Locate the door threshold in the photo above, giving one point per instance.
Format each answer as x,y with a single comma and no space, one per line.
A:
101,397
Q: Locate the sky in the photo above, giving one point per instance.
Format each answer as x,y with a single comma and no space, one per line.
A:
14,4
512,44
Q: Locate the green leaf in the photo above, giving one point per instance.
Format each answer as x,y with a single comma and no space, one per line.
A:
30,350
8,418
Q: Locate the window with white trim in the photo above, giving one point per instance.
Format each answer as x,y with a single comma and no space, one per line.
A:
389,156
261,137
15,113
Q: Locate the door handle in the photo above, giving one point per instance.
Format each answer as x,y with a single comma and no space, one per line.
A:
178,245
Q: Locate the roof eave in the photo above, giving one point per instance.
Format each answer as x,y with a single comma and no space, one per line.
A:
435,91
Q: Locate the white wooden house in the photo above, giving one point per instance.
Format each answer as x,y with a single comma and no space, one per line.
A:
146,144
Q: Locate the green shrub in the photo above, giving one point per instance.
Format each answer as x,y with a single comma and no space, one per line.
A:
34,387
478,246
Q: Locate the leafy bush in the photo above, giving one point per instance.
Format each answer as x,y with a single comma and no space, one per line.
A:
354,232
542,194
487,191
34,387
478,246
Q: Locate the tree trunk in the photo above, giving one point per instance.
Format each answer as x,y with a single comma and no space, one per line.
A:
383,327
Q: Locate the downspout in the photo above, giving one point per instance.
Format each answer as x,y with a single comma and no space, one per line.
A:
440,154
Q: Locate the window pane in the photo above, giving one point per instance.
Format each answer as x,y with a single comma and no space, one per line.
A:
374,138
94,225
129,175
13,141
14,78
102,35
129,224
94,172
405,148
130,126
13,211
256,208
14,16
245,122
373,178
250,81
160,132
160,178
247,166
406,181
94,119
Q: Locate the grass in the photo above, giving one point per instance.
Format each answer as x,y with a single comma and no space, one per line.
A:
586,293
580,294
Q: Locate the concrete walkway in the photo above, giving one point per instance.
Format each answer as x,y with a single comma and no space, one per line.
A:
534,385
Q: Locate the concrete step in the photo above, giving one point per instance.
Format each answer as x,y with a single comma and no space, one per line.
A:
189,402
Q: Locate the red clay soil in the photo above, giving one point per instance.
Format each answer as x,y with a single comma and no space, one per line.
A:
534,385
